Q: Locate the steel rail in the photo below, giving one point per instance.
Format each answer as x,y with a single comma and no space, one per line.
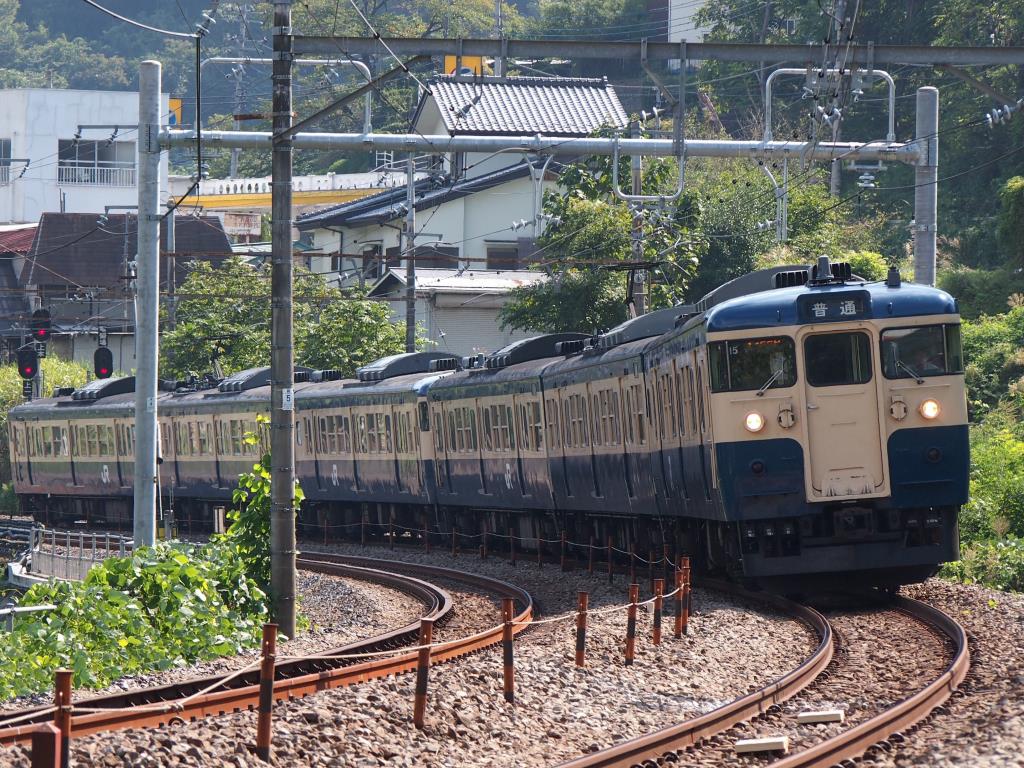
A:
238,699
689,732
854,741
303,675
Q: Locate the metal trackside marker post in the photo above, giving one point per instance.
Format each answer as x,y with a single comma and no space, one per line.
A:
659,589
62,715
422,667
562,556
679,601
46,746
511,547
582,603
266,705
508,673
634,597
590,556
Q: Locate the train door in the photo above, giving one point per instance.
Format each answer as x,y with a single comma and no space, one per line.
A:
679,387
121,449
844,446
218,449
442,472
705,445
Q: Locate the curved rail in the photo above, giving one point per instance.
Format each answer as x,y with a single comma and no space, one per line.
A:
853,742
689,732
304,676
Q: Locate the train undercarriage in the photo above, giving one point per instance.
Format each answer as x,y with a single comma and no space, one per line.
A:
877,548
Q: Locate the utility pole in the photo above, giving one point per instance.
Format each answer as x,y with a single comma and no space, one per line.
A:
172,305
410,254
282,354
640,275
926,187
499,32
147,315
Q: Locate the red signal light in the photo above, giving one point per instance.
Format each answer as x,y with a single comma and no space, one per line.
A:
28,363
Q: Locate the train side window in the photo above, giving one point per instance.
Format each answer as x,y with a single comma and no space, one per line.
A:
536,425
451,431
834,359
438,434
700,400
510,429
345,436
566,428
552,425
387,433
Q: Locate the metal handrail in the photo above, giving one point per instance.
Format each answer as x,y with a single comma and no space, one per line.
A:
60,565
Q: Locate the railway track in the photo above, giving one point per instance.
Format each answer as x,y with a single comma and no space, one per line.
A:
674,743
193,699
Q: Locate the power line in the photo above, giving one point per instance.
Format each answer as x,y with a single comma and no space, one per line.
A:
140,25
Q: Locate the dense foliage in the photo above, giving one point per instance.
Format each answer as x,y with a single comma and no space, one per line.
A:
225,317
162,607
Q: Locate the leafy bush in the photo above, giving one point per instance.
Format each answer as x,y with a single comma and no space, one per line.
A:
1011,220
996,564
996,504
994,361
981,292
162,607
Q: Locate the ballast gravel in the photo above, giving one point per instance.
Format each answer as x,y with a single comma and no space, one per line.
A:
560,712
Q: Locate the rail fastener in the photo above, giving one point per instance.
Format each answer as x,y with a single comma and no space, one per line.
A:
768,744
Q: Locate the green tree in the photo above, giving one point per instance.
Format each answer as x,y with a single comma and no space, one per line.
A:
1011,220
224,316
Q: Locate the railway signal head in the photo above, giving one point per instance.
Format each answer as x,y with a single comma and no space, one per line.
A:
103,363
28,363
41,325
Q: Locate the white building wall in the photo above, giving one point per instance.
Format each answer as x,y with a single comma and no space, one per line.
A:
681,25
468,223
35,120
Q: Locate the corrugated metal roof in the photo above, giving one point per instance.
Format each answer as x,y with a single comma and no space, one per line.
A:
390,204
73,249
516,106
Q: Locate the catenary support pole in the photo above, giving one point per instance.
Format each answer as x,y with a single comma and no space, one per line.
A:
147,313
926,187
410,254
282,356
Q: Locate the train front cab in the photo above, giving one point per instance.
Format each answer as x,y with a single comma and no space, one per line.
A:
842,443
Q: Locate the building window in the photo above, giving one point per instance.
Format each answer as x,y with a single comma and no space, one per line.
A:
502,256
5,161
101,163
371,258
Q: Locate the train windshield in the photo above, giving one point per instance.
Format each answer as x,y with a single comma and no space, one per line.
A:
927,350
752,364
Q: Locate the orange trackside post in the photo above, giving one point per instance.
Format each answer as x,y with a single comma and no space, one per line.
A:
508,675
583,600
266,702
634,597
659,590
419,707
46,749
679,602
62,717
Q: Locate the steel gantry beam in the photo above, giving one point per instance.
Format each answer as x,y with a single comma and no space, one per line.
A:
863,55
545,145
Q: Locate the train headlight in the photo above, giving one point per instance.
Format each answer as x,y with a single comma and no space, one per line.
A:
930,409
754,422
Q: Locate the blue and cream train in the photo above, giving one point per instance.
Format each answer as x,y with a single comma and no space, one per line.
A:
796,421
